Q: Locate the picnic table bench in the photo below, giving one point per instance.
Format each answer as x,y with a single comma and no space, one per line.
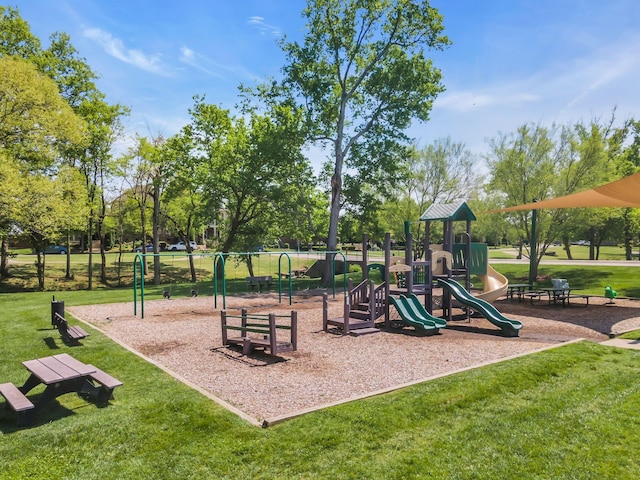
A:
259,281
295,273
518,289
17,401
557,296
264,329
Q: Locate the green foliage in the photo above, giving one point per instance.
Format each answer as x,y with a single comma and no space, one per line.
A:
16,38
360,77
537,163
36,120
249,172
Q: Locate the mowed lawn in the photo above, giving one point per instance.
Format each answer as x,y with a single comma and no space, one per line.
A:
569,412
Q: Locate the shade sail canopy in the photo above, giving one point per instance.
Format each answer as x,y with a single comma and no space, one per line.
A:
621,193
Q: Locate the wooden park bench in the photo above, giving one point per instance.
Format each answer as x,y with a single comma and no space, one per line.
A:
68,334
260,331
259,281
17,401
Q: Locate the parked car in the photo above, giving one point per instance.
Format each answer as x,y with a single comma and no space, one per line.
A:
149,248
56,249
180,246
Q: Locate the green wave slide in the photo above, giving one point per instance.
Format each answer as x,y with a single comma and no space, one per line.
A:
508,326
423,322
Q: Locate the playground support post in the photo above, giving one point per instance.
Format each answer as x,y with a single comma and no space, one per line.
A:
280,276
215,282
138,260
533,246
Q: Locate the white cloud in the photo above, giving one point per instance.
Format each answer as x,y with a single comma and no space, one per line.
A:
194,60
564,91
264,28
606,66
465,101
213,68
116,48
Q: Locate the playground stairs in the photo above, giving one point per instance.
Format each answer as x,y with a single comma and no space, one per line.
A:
363,305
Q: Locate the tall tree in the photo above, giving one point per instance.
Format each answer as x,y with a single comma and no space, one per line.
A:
75,85
249,172
361,76
96,164
41,213
15,35
523,167
143,168
536,163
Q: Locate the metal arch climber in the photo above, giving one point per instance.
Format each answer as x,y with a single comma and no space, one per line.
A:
222,258
138,275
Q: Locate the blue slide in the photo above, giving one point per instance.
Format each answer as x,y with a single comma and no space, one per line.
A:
423,325
508,326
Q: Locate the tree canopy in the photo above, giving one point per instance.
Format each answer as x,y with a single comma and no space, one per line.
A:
360,77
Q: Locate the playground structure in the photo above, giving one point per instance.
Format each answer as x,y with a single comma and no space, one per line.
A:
366,302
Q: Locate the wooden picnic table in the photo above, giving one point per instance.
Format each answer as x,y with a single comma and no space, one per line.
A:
60,374
518,289
562,296
295,273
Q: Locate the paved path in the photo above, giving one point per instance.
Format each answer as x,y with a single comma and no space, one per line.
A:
622,343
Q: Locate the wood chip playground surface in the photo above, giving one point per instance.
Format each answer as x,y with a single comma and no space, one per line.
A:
183,336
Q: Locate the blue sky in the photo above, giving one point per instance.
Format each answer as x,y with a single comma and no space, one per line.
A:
511,61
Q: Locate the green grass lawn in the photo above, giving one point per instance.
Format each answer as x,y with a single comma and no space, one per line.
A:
578,252
590,279
569,412
175,270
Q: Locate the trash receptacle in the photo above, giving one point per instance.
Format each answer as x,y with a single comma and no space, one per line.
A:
57,306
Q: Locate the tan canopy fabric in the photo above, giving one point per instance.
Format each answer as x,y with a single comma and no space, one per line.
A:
621,193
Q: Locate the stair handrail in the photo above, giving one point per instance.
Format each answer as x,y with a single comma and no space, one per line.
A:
359,293
377,301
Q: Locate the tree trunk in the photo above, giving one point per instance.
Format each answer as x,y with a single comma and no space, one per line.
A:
103,254
250,265
156,234
332,239
567,248
192,269
4,258
68,268
90,247
40,262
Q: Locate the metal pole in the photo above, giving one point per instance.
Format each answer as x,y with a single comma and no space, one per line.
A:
532,246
